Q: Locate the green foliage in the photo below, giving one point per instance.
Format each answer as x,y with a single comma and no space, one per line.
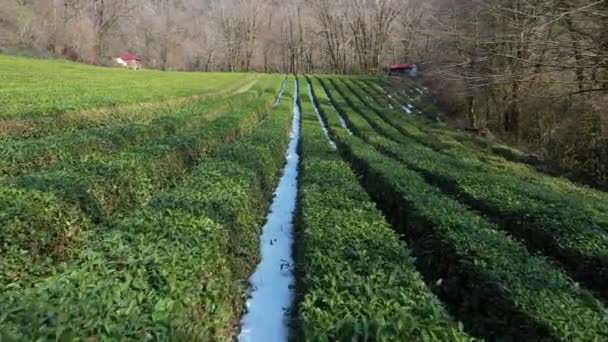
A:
107,185
25,156
568,227
493,282
32,88
173,270
131,204
143,281
38,231
555,225
101,187
357,280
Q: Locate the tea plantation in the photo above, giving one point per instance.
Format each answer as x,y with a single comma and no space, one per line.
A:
132,203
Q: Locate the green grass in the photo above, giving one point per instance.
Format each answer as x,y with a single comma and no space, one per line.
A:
30,87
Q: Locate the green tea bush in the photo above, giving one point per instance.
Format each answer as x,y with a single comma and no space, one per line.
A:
555,223
173,270
357,281
491,281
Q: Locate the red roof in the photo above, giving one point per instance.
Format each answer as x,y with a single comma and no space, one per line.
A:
400,66
129,58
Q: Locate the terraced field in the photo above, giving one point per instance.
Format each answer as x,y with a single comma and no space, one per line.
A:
212,207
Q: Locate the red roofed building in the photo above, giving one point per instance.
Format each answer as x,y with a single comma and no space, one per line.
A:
129,61
129,57
400,66
403,68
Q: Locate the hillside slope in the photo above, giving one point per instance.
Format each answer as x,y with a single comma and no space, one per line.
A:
139,217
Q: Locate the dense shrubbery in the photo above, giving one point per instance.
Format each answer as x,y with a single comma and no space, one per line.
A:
25,156
175,269
569,227
357,281
142,221
106,184
97,188
494,283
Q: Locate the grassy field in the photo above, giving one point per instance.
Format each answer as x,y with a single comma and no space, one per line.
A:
32,87
131,205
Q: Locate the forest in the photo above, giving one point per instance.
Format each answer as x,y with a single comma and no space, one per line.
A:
530,73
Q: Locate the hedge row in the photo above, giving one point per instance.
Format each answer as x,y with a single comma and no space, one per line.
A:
121,114
19,157
556,229
391,124
106,185
437,136
403,91
556,192
366,119
419,128
397,117
552,222
175,270
433,134
491,281
103,187
357,281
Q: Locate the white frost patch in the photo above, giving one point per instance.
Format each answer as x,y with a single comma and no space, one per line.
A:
323,127
276,103
266,319
342,121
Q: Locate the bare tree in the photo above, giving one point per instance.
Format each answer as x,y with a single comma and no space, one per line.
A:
105,16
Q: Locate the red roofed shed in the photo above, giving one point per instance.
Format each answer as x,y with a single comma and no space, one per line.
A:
396,67
129,61
410,69
129,57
